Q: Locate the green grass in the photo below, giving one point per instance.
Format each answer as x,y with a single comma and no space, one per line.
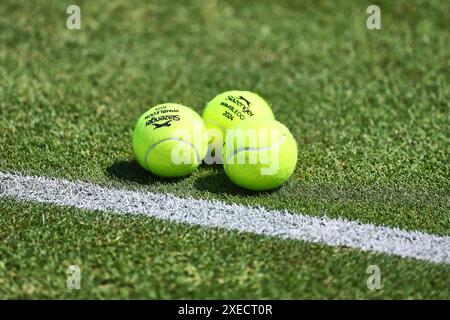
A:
129,257
369,109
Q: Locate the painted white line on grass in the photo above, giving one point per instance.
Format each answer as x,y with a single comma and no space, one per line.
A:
282,224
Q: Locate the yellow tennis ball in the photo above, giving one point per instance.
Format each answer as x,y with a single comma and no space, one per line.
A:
170,140
228,109
259,154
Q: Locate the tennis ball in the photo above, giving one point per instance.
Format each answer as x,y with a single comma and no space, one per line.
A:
170,140
259,154
229,108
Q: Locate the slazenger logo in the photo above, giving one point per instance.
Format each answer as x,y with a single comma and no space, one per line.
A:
243,103
246,101
238,101
162,121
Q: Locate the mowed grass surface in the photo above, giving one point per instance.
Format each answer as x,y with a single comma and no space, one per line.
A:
131,257
369,109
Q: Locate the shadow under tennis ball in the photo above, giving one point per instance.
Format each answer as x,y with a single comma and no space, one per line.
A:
131,171
216,181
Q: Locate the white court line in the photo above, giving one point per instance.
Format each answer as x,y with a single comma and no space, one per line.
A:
282,224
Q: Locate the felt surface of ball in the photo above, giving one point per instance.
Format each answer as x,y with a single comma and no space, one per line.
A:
231,107
259,155
170,140
228,108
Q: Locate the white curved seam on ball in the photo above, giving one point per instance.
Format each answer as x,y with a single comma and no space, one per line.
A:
172,139
216,124
283,137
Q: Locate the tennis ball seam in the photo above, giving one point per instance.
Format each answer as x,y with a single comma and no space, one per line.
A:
199,158
273,146
214,122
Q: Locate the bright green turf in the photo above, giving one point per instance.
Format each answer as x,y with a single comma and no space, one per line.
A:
123,257
370,110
